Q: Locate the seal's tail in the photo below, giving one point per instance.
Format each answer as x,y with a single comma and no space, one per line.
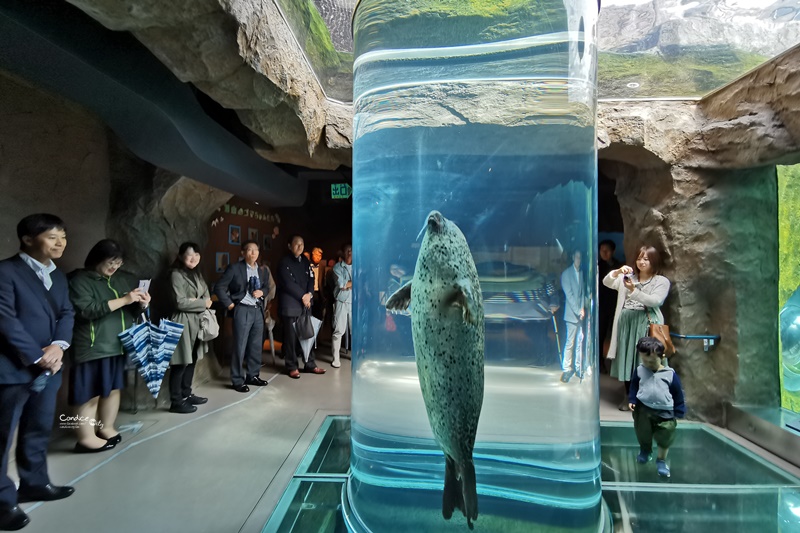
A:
460,490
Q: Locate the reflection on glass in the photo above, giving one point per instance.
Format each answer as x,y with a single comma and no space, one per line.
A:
677,48
487,117
790,343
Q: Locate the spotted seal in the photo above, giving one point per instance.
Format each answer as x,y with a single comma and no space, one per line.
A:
448,333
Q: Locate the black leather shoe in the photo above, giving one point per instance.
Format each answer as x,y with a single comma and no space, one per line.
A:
196,400
256,381
184,407
116,439
46,493
80,448
241,388
13,519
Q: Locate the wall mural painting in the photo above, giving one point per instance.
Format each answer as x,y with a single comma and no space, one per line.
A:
222,261
234,235
789,284
234,223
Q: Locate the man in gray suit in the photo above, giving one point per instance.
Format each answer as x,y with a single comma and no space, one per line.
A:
574,312
245,288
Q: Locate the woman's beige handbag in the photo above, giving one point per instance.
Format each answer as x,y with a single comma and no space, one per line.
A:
209,327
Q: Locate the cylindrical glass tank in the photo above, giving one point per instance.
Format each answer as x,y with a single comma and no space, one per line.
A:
485,112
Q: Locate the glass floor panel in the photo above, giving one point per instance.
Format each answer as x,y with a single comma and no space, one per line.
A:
715,483
330,451
699,456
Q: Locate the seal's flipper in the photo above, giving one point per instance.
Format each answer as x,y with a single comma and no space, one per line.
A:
460,490
462,297
452,498
400,300
469,492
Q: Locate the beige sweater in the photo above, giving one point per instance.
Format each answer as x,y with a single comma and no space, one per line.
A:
651,295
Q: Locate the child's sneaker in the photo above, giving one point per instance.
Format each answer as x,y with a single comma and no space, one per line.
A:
662,468
643,457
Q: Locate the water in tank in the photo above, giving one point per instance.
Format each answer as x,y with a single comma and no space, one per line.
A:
475,397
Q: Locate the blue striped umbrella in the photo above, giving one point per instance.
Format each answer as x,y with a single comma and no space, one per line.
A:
150,348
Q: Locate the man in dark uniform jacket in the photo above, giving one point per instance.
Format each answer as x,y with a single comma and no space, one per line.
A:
36,319
296,286
608,297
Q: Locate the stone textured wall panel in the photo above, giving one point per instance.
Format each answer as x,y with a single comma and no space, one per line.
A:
717,231
53,159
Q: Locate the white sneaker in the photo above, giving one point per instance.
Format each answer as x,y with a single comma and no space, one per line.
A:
336,364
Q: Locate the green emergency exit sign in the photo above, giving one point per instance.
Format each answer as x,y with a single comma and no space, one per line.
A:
341,191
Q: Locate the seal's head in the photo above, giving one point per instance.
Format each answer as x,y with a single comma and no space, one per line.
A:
436,222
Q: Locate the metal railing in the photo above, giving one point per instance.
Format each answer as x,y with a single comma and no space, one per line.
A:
709,341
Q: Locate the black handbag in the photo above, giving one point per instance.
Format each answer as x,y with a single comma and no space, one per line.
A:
303,326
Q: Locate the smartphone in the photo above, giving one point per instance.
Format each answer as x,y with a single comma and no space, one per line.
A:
144,285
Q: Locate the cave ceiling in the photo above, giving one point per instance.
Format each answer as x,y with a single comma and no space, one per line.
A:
285,66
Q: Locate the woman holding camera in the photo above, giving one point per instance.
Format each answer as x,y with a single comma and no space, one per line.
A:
641,292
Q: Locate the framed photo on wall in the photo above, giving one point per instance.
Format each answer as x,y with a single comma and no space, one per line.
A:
234,235
222,261
267,245
252,234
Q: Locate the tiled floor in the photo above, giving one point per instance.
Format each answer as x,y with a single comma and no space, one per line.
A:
226,467
219,470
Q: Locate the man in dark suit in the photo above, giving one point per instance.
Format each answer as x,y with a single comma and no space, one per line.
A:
296,281
244,288
606,296
36,319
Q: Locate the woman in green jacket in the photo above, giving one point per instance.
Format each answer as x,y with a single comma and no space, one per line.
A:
106,303
191,300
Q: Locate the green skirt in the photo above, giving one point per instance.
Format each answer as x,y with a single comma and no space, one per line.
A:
632,326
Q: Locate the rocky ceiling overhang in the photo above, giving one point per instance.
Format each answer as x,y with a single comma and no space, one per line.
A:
242,54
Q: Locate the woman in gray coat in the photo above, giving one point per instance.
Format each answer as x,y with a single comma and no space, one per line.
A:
191,300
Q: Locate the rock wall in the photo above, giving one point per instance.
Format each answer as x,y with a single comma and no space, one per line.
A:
717,232
754,121
53,159
153,211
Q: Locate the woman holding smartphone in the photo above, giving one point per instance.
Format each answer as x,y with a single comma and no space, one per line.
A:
641,292
106,301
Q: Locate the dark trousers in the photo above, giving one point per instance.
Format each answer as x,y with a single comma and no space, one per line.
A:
180,382
648,426
318,306
291,346
33,413
248,334
605,319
